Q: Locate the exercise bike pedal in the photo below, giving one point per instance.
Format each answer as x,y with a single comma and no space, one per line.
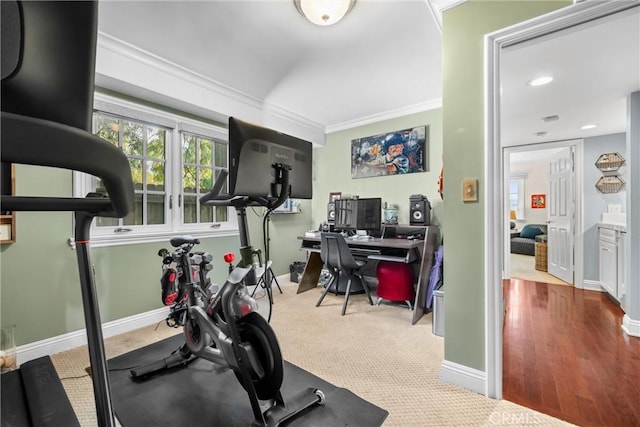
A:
175,319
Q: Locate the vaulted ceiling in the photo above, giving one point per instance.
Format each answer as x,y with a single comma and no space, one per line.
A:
383,59
383,56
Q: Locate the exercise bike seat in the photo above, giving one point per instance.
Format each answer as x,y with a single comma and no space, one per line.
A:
178,241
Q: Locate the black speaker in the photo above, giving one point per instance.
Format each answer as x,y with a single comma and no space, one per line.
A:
419,210
331,213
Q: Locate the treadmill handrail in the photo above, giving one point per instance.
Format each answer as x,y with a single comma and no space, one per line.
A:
32,141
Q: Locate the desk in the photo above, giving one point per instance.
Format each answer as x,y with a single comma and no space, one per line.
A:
417,252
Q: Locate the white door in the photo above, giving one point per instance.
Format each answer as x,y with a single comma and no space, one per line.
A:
561,215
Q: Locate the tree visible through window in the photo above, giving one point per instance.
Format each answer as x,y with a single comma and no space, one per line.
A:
145,146
202,160
174,160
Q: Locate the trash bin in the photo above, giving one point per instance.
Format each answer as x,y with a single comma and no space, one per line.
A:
438,313
295,270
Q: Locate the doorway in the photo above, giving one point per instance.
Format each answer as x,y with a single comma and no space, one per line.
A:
535,170
544,27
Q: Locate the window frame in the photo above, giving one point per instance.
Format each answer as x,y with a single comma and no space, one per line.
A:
176,124
199,167
520,179
143,158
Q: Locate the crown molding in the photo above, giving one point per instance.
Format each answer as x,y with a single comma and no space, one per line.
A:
232,98
137,54
222,92
449,4
436,7
387,115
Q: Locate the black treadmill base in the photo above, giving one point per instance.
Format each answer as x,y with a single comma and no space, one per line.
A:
34,396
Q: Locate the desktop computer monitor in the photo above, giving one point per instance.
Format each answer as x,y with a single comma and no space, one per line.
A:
344,209
253,150
359,214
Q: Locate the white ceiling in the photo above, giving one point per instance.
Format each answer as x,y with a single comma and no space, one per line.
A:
595,67
384,57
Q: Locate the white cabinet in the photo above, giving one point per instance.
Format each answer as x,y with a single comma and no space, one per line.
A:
622,290
611,261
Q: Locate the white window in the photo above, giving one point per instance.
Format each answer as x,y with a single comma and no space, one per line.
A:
174,161
516,194
202,160
145,146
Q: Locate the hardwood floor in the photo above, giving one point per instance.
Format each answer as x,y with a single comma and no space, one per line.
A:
564,354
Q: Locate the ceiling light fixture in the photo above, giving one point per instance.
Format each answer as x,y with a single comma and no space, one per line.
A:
540,81
324,12
587,127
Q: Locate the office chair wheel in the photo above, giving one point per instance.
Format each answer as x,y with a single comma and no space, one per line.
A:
255,330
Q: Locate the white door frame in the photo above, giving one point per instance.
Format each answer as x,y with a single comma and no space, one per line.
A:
494,220
578,232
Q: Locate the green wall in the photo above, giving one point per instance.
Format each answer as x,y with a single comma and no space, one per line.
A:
38,277
283,231
39,285
464,27
332,168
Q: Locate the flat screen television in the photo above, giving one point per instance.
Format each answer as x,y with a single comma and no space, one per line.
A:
359,214
253,150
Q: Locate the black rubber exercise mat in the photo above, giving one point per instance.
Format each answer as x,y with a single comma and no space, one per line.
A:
204,394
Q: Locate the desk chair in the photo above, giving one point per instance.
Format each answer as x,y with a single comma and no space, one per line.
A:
336,255
48,69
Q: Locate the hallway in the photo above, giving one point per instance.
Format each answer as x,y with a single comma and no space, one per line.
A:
564,354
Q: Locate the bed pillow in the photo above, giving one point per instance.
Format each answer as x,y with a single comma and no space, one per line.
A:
530,232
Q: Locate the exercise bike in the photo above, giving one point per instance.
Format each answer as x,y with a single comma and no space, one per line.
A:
221,325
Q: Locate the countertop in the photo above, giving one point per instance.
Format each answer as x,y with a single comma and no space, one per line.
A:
611,226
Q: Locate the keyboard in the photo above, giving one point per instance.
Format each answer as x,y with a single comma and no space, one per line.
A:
365,251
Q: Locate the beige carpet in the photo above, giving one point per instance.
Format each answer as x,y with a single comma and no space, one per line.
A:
373,351
524,267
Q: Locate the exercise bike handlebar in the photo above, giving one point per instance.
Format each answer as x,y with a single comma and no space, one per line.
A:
214,197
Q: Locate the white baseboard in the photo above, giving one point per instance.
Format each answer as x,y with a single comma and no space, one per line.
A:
463,376
631,326
77,338
74,339
592,285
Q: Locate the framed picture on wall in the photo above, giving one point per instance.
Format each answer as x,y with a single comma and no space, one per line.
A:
393,153
334,195
538,201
